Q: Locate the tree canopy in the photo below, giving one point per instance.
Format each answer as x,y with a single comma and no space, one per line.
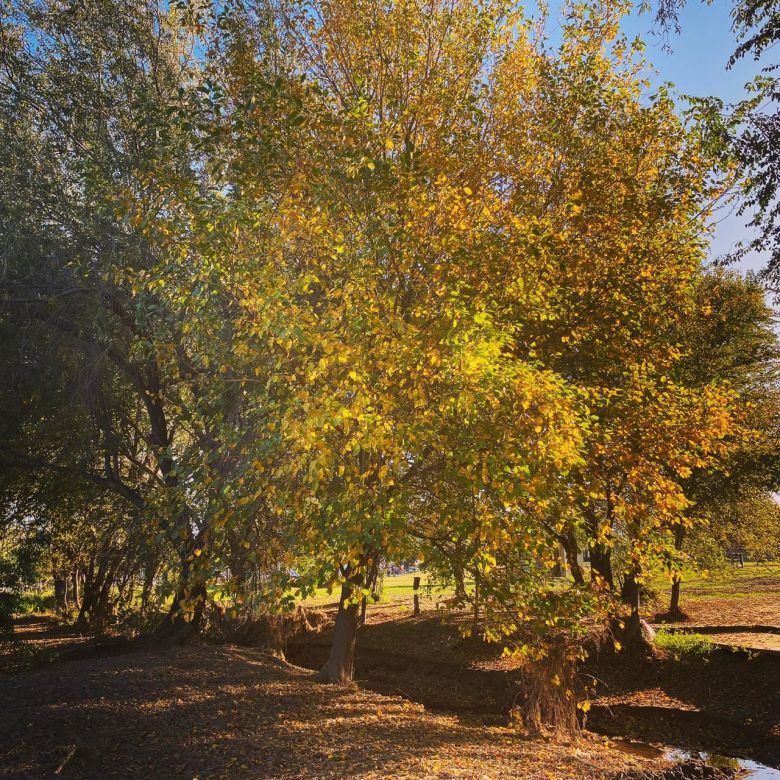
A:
295,289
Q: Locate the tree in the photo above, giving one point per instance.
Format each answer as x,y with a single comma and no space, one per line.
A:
84,96
755,132
729,339
370,280
748,131
432,293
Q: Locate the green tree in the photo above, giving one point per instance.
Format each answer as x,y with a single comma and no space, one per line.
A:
730,339
84,93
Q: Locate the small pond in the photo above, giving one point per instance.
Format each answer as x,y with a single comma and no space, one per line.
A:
751,770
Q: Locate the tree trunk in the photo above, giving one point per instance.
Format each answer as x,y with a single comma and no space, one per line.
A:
570,548
601,565
475,602
674,601
637,635
629,593
183,620
150,572
460,583
600,554
102,608
340,665
557,570
61,593
546,704
76,590
88,601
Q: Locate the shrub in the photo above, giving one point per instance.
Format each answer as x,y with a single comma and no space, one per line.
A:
31,601
682,643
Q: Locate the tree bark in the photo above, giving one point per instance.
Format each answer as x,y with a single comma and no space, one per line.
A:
674,601
475,602
460,583
175,627
93,610
150,570
600,554
570,548
87,608
636,635
183,620
601,565
76,589
546,707
61,593
339,667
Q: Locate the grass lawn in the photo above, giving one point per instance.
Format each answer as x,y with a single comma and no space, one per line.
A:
733,582
395,588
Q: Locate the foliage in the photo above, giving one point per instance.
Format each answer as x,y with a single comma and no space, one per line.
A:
755,140
31,602
732,338
89,419
336,283
683,643
8,606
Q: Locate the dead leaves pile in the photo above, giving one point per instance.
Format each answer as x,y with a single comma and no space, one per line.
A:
221,712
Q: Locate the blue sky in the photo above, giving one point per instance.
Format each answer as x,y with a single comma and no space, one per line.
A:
696,65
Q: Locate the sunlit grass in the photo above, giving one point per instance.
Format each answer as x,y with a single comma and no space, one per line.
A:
684,644
734,582
394,588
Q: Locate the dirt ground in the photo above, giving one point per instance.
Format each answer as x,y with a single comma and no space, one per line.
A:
759,609
37,639
734,597
745,598
226,712
726,702
431,704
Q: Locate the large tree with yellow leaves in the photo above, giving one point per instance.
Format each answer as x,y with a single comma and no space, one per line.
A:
414,273
439,255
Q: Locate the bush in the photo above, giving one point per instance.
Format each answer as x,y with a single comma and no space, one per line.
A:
682,643
29,602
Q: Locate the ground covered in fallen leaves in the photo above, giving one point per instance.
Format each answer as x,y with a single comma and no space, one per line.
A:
727,701
431,704
747,596
226,712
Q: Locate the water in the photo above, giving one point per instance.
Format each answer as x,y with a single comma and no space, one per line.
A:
759,771
752,770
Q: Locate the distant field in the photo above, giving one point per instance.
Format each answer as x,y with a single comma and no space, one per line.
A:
394,588
755,581
732,582
732,597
